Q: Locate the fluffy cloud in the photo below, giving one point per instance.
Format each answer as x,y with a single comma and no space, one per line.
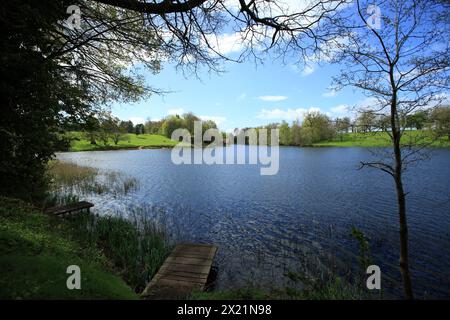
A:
330,93
288,115
307,70
272,98
341,109
228,43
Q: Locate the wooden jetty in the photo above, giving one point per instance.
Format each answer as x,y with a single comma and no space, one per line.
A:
187,268
68,209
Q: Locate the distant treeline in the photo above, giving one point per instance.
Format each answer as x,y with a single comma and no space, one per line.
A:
315,127
318,127
103,127
185,121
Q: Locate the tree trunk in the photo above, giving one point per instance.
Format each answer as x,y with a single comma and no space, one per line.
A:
404,260
401,200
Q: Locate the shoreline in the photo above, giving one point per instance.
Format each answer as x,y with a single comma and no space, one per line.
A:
282,146
119,148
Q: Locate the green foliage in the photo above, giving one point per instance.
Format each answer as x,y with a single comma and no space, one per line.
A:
35,94
314,128
135,245
285,138
418,120
52,84
366,120
319,126
440,117
154,127
186,121
171,124
364,247
127,126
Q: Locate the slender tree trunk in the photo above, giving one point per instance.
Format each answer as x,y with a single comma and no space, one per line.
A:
401,201
404,251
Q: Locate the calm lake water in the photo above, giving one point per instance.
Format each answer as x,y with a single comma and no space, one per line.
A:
266,225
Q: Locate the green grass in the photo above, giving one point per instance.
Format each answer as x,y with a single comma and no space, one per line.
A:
35,251
129,141
135,246
381,139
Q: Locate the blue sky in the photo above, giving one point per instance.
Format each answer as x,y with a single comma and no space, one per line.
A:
245,95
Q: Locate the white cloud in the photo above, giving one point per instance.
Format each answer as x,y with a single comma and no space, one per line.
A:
272,98
443,98
341,109
217,119
136,120
172,112
307,70
288,115
304,71
329,93
227,43
369,103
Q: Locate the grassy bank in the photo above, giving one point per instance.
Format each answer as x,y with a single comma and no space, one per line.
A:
381,139
116,257
128,141
35,253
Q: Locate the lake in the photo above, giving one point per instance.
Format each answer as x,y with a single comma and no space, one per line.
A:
267,225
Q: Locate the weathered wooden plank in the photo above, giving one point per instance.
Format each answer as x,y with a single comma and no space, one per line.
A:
197,249
182,283
189,260
201,276
186,268
180,277
189,253
58,210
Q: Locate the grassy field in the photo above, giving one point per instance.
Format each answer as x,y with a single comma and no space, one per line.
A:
381,139
129,141
35,251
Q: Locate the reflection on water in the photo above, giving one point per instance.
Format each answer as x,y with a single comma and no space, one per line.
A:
265,225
